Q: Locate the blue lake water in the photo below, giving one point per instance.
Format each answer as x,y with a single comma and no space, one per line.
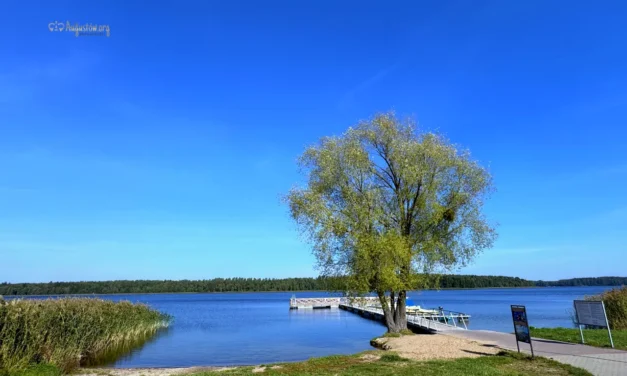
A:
256,328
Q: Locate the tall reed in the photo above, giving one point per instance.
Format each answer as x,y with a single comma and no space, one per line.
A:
66,332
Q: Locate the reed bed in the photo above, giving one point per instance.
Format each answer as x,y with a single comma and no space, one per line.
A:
68,332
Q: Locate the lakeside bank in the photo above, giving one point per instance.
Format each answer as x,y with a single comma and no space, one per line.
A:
235,328
260,317
406,355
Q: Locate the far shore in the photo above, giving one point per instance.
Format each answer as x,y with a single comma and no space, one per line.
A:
301,291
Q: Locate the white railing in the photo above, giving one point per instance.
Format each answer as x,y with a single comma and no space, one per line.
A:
315,302
325,302
431,321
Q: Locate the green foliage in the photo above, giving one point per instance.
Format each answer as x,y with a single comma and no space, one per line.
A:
506,363
386,207
615,306
66,332
37,370
479,281
593,337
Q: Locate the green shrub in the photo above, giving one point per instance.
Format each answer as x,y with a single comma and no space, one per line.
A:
392,358
615,302
66,332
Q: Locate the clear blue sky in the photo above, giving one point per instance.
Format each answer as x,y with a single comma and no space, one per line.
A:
161,152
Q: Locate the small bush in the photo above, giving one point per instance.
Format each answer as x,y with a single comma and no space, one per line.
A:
392,358
615,302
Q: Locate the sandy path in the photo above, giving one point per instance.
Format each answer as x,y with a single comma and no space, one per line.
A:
436,346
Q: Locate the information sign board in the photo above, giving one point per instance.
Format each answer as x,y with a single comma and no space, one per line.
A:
590,313
521,325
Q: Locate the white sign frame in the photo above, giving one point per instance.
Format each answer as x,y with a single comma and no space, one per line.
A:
592,312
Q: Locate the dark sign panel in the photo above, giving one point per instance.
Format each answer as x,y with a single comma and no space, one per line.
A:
590,313
521,325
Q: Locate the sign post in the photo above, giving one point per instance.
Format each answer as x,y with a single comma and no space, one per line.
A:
521,326
589,312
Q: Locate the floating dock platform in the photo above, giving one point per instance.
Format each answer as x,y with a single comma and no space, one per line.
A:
315,303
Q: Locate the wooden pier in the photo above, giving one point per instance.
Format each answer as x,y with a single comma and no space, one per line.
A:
369,307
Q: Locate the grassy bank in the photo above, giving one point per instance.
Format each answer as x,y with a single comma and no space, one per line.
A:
504,363
593,337
67,332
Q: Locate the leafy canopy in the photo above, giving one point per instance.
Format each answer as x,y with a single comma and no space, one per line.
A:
388,207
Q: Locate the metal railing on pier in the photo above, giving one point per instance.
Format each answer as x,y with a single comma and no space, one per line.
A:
431,321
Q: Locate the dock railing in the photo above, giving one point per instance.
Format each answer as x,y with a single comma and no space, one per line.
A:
444,316
429,319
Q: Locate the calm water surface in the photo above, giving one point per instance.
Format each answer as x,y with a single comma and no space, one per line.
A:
255,328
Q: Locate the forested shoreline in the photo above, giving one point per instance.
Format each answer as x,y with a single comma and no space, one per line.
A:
268,285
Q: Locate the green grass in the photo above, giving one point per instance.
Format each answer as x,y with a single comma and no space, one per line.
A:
593,337
404,332
392,357
65,333
34,370
503,364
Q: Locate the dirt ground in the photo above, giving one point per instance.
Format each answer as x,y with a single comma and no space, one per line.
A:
436,346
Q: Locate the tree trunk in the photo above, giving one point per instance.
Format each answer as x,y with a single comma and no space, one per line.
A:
394,311
400,315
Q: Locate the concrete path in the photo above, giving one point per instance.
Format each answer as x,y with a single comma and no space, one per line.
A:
598,361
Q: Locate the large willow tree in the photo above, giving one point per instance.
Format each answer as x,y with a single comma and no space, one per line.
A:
387,208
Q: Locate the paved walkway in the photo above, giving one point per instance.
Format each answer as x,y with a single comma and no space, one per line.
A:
598,361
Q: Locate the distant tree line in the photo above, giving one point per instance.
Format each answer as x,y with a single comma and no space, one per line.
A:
598,281
183,286
266,284
477,281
